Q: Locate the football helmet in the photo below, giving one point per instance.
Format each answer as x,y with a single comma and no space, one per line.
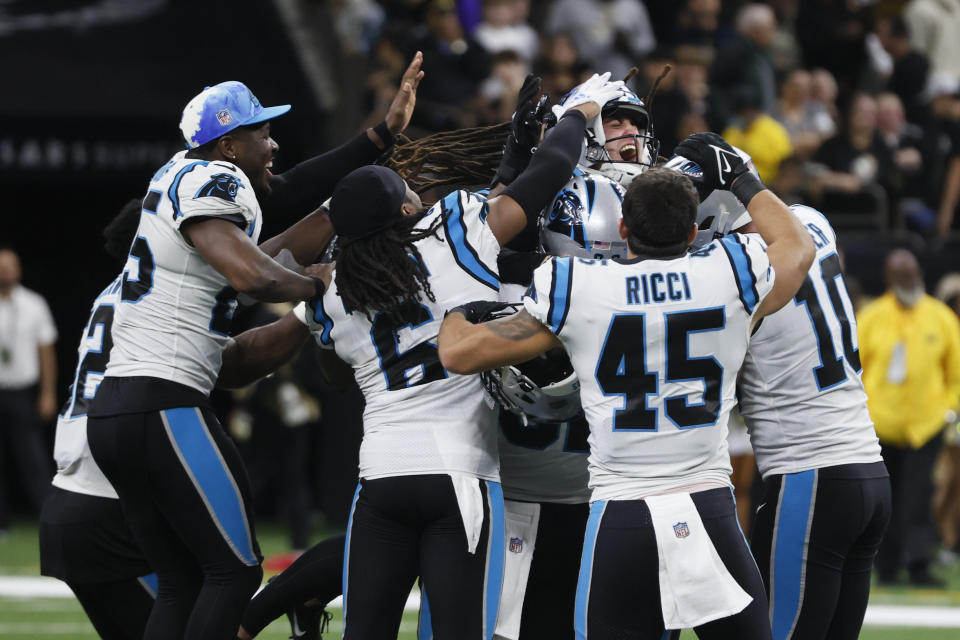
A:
582,220
645,147
544,389
719,211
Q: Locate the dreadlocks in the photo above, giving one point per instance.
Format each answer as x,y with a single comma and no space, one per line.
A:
384,272
461,157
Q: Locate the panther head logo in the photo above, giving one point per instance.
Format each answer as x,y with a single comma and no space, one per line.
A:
221,185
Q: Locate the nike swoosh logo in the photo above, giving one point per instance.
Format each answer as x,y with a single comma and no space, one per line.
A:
723,162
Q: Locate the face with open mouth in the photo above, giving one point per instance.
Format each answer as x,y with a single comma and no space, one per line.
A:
255,152
623,141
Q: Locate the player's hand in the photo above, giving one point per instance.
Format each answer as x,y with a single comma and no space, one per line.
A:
589,97
323,272
524,136
479,310
722,166
401,109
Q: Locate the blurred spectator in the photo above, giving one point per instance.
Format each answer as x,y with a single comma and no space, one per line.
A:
791,182
854,159
910,352
389,61
561,67
455,65
357,23
946,217
908,77
807,122
746,64
832,35
909,149
947,498
758,134
613,35
698,24
499,91
823,89
934,27
785,50
28,382
504,28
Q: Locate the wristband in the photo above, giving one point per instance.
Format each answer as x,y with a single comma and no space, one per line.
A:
384,133
746,186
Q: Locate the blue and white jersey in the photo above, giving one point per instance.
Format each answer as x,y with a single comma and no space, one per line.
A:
175,311
800,389
657,345
419,418
76,468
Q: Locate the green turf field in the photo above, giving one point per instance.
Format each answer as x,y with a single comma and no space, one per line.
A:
63,619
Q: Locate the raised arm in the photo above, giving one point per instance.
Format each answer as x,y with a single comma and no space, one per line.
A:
552,163
305,240
789,247
312,181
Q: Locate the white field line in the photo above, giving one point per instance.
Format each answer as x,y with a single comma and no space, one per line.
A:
877,615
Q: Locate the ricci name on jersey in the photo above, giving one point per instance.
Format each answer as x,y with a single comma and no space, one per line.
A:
657,287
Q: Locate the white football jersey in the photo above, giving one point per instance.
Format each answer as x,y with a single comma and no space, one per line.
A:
419,418
76,468
175,311
800,389
542,462
657,345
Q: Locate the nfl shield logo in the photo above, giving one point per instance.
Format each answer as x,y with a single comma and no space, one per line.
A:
516,545
681,530
224,117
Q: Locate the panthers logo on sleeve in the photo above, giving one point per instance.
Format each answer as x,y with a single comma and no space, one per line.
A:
221,185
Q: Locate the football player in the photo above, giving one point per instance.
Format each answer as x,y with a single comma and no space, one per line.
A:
826,492
151,430
429,503
656,340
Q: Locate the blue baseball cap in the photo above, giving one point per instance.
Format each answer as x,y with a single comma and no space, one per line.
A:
220,109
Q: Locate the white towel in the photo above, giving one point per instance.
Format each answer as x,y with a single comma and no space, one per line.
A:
695,586
521,520
470,501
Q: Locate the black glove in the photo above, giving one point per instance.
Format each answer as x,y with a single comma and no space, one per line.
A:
722,166
524,132
479,310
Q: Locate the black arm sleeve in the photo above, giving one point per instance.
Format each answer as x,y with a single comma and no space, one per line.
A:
551,165
298,191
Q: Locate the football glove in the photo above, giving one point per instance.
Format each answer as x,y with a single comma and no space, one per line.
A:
524,132
479,310
722,166
597,89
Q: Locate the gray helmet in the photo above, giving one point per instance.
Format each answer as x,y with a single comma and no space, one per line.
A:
583,218
544,389
719,212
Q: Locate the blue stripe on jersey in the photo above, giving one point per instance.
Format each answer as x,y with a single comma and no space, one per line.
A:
320,317
150,584
789,556
560,286
740,261
175,185
465,255
586,568
207,469
425,621
495,557
346,554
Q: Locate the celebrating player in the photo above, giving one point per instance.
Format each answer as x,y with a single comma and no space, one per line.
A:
151,429
656,340
428,503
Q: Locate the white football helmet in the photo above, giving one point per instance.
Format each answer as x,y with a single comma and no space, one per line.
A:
645,147
719,211
583,218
